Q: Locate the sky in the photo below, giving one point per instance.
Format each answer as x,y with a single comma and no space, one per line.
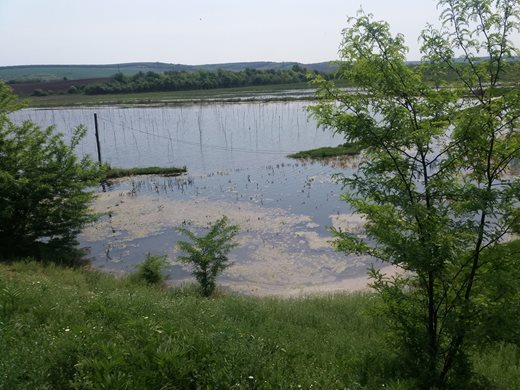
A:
192,31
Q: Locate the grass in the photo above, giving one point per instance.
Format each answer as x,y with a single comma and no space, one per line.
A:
56,72
114,173
328,151
77,328
174,97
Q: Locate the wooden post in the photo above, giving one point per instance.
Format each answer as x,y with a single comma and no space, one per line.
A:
97,139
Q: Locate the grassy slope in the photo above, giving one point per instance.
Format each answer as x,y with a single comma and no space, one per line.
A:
53,72
63,328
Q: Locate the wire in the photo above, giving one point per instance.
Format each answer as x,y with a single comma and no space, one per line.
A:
216,147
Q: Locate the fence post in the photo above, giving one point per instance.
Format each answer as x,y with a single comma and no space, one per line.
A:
97,138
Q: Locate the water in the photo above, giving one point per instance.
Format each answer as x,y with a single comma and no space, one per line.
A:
237,166
205,137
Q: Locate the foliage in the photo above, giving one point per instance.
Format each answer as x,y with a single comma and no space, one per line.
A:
43,202
93,330
201,79
207,254
498,291
44,73
434,188
8,101
40,92
150,270
328,151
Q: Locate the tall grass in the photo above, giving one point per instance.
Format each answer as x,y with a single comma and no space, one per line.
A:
328,151
114,173
65,328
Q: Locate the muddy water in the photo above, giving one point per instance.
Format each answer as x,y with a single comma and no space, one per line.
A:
235,155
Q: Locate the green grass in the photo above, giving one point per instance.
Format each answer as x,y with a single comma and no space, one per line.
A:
114,173
57,72
77,328
328,151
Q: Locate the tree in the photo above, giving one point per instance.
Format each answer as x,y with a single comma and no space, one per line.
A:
434,186
43,197
207,254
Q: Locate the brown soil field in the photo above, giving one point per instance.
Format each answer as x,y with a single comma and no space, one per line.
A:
60,86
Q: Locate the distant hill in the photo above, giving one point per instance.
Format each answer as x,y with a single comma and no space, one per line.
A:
34,73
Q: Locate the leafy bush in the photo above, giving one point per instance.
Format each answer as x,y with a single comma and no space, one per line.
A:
208,254
40,92
44,202
151,270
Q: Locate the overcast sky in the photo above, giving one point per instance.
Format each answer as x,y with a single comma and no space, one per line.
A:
191,31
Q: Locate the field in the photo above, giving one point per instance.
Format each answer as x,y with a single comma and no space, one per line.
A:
176,97
78,328
58,86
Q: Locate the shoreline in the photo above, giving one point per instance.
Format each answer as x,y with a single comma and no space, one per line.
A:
263,94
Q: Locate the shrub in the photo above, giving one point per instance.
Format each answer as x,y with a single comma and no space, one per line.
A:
208,253
39,92
44,201
151,270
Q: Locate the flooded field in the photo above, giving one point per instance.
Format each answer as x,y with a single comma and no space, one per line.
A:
235,155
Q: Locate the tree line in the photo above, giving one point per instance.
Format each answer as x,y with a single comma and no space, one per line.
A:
202,79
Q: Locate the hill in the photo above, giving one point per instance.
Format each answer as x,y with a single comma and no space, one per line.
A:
34,73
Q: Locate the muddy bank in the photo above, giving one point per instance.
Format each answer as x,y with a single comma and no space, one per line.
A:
281,253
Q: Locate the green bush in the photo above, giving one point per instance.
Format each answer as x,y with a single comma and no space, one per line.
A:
39,92
44,202
208,254
151,270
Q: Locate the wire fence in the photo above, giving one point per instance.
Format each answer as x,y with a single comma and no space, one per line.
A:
174,140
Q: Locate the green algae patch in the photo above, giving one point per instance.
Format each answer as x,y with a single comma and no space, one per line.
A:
328,151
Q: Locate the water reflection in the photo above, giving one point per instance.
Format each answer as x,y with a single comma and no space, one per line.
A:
204,137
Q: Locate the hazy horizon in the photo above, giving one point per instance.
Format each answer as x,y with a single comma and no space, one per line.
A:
167,63
64,32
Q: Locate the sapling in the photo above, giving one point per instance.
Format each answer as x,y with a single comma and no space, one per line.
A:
208,254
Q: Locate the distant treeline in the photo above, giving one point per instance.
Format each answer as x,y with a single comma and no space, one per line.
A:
182,80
